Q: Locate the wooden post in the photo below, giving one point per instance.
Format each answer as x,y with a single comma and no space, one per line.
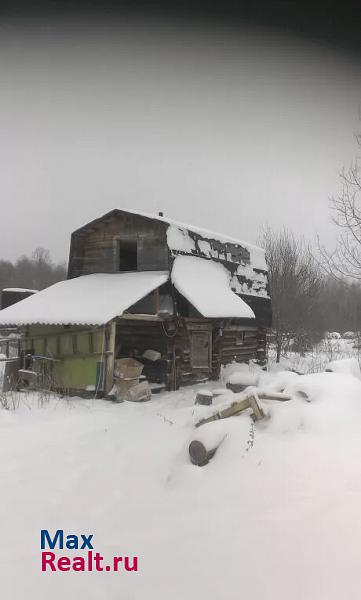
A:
235,408
257,413
156,301
108,358
273,396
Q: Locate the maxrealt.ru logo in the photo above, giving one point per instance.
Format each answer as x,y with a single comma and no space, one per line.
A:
88,560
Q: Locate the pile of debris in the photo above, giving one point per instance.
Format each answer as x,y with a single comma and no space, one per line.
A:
129,383
203,448
135,380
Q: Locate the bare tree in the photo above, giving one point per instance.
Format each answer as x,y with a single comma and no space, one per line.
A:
296,283
41,256
37,272
345,260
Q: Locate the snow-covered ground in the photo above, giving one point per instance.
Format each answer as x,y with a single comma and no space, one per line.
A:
316,361
274,515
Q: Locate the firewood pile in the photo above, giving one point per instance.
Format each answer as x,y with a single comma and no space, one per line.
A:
201,452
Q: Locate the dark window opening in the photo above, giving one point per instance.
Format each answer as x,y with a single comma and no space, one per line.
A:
147,348
127,254
159,302
144,306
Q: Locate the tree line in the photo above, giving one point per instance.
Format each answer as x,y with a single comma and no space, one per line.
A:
35,272
307,300
315,290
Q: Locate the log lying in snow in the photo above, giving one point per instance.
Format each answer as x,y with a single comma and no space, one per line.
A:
199,454
203,449
273,396
235,408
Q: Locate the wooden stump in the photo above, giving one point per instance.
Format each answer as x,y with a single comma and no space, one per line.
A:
237,387
204,397
199,454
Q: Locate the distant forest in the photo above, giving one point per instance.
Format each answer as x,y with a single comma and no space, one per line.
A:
36,272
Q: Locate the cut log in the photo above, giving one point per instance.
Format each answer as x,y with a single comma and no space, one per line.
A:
209,439
236,387
199,454
204,397
241,380
273,396
204,448
257,412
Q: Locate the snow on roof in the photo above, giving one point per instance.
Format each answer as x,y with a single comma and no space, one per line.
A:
206,286
87,300
174,237
221,237
20,290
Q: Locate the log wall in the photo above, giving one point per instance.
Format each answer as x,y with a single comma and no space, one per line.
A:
94,248
172,338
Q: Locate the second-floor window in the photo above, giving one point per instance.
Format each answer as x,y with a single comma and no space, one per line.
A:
127,255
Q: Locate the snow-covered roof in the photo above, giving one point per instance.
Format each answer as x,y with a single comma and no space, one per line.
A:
203,232
175,236
206,285
20,290
87,300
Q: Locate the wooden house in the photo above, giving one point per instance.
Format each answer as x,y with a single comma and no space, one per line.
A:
182,300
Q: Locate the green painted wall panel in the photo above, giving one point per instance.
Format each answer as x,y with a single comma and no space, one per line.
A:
83,343
51,346
72,370
75,372
38,345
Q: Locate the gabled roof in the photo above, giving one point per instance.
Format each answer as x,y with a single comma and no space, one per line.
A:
202,232
206,286
88,300
20,290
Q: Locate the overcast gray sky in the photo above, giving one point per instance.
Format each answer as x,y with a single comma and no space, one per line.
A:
220,128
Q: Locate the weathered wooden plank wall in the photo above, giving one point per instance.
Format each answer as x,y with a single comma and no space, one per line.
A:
172,340
94,248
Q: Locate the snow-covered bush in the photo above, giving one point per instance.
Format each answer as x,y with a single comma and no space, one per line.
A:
333,335
349,335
